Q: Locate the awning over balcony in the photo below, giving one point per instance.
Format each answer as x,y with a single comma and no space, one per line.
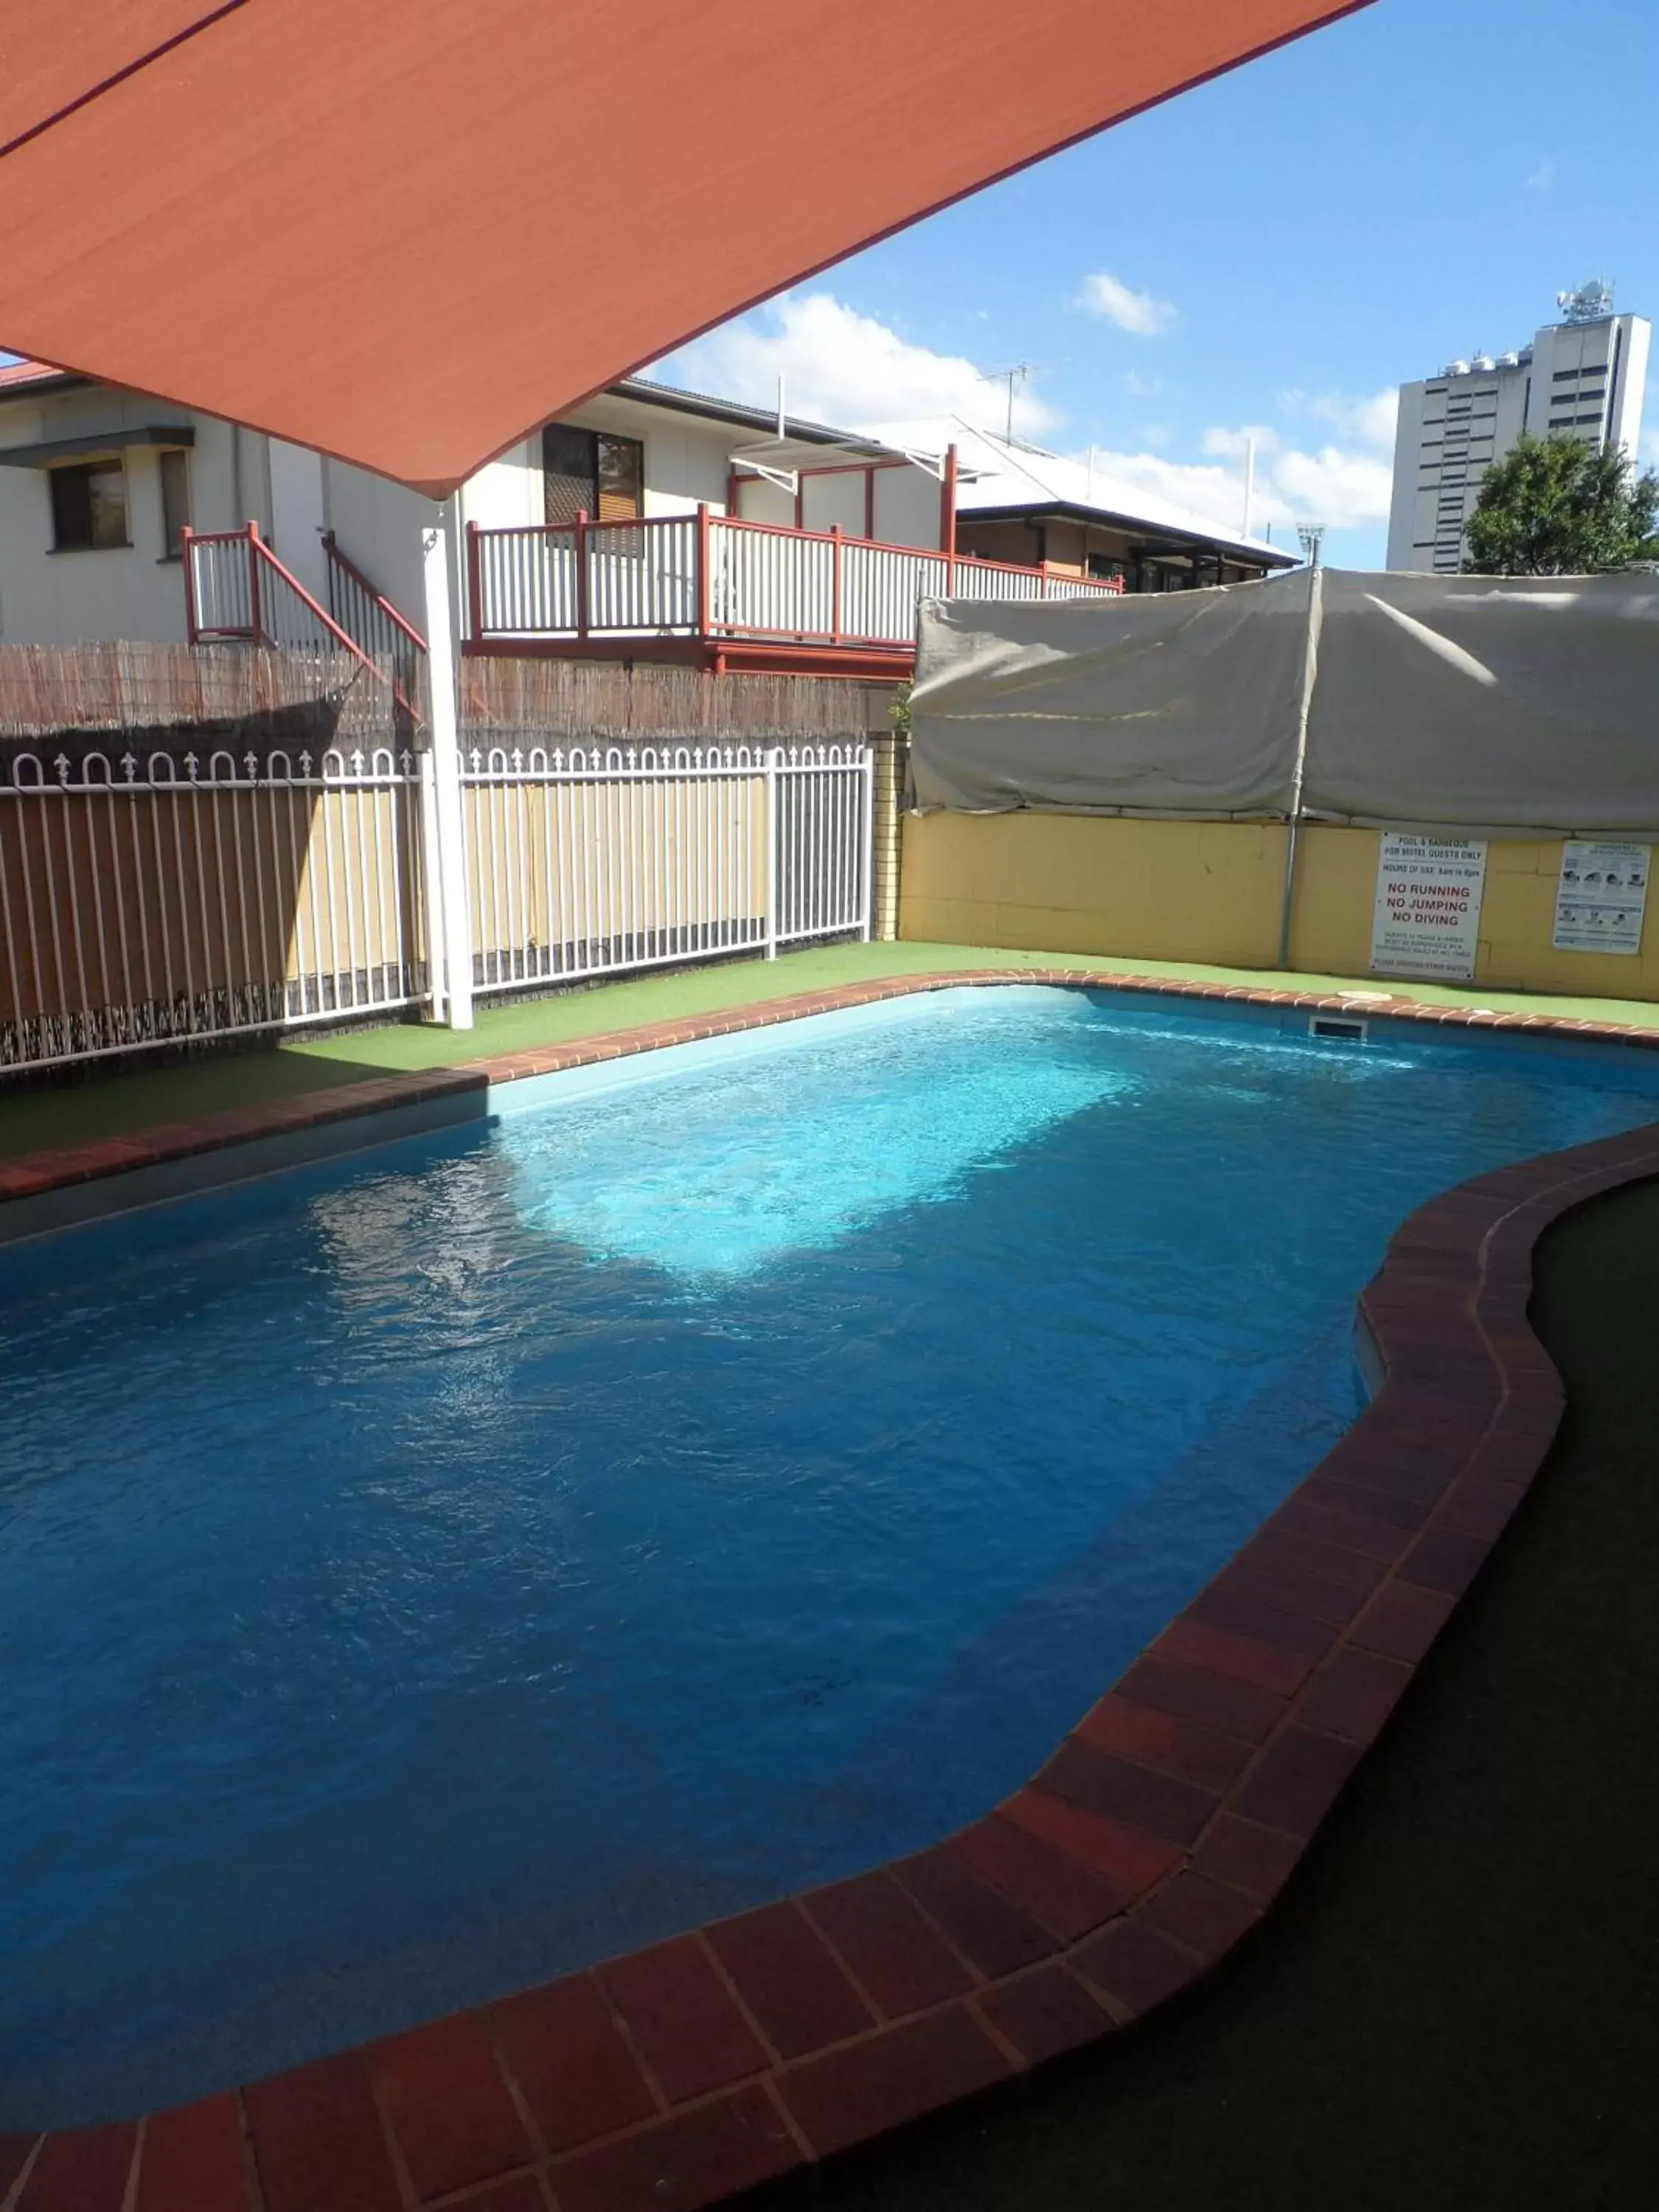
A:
405,232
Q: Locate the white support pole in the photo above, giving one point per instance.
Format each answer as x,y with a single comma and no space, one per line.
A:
453,951
1298,772
772,872
865,857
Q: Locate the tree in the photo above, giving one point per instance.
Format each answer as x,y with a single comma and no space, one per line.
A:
1555,507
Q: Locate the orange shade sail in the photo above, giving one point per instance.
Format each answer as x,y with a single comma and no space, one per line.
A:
406,231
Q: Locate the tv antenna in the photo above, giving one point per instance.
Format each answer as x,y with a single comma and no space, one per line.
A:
1015,376
1312,537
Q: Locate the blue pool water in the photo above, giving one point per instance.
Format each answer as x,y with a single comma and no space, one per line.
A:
426,1571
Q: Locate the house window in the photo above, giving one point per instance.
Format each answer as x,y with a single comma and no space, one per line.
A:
620,473
175,502
590,472
89,505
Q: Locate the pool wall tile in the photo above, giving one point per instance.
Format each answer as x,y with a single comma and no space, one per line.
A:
1260,1666
895,1954
790,1979
523,2193
1246,1856
564,2052
995,1935
194,2158
319,2143
680,2163
1157,1837
1355,1694
683,2019
448,2108
1064,1890
1135,1965
1044,2013
1402,1621
896,2075
1163,1743
1206,1916
1199,1694
1298,1779
1158,1805
1126,1859
86,2171
15,2152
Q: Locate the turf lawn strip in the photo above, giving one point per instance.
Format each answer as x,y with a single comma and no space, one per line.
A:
1456,2001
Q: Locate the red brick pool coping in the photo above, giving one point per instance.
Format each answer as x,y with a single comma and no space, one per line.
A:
1152,1841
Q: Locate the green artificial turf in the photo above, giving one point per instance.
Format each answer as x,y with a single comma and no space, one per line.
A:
1456,2003
96,1104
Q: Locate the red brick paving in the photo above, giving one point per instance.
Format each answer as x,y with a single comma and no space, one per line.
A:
1154,1839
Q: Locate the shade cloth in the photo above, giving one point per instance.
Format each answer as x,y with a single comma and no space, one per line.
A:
405,232
1472,705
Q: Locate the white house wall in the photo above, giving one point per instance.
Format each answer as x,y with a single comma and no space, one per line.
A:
239,475
48,598
827,501
908,507
759,501
299,514
378,525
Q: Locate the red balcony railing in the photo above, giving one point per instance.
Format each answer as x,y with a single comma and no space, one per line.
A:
714,576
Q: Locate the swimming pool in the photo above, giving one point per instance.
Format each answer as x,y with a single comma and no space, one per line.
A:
425,1572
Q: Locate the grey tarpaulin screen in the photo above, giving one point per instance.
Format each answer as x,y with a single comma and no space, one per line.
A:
1470,703
1178,702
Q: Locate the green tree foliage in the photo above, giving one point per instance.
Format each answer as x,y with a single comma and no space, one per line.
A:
1555,507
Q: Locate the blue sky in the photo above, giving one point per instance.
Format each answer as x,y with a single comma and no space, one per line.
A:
1276,251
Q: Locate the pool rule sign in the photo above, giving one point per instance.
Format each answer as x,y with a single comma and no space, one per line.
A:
1602,897
1427,920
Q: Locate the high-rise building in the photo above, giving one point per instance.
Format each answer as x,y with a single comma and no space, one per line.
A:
1583,377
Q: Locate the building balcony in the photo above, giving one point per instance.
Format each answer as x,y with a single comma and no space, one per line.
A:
724,593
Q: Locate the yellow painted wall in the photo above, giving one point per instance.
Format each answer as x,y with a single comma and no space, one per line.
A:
1336,884
1210,892
1078,882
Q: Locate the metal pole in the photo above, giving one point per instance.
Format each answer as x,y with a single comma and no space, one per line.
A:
773,758
866,846
1309,671
454,951
948,518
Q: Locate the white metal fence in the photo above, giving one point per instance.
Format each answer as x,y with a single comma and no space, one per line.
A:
597,860
148,900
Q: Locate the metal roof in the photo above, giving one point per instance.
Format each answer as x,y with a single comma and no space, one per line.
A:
1003,479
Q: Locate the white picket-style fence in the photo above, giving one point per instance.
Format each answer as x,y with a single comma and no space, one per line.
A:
597,860
148,900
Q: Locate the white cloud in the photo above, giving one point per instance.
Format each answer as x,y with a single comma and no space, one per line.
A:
1543,177
846,368
1347,485
1141,313
1372,421
1229,443
1138,386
